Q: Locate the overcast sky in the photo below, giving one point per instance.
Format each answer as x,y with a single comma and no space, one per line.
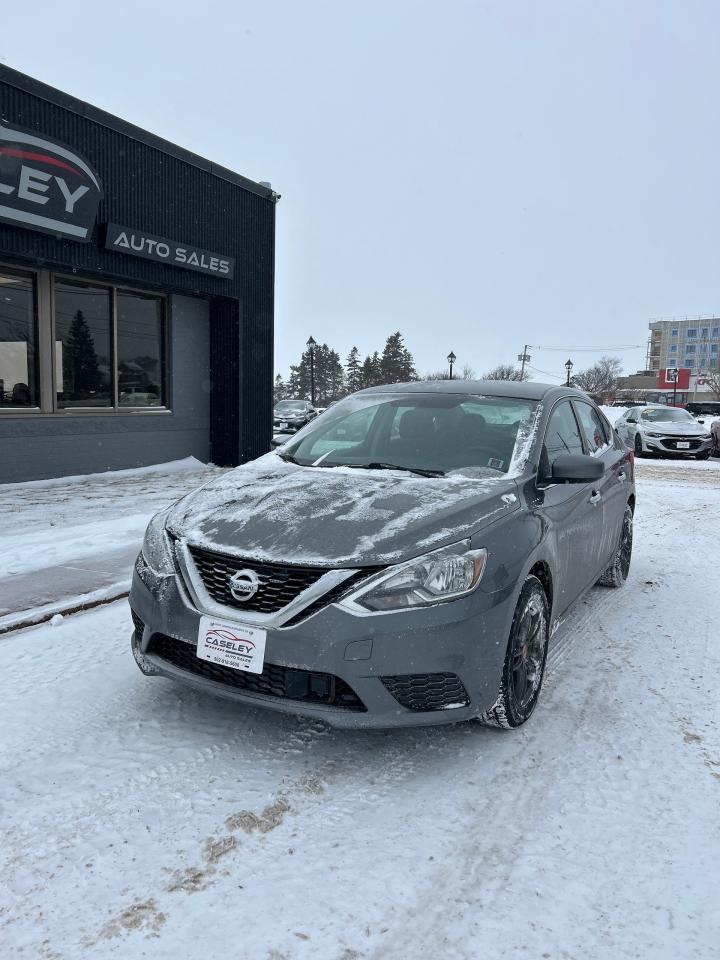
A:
477,175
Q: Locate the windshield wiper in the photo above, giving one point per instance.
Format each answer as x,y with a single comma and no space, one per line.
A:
377,465
287,457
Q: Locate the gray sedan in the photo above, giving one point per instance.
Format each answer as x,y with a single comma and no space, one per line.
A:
656,429
400,561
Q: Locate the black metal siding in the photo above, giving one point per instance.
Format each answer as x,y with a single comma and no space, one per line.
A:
161,189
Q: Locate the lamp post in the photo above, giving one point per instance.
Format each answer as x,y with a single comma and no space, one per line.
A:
568,367
451,358
311,344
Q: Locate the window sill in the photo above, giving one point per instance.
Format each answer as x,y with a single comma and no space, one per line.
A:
86,412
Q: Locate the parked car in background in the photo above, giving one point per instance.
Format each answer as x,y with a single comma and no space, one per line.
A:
715,434
398,562
290,416
704,408
664,431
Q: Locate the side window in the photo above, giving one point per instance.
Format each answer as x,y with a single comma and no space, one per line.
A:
632,416
593,427
562,434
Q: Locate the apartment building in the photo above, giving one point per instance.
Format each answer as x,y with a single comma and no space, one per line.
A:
692,343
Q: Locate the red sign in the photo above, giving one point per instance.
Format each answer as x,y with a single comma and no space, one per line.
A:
683,379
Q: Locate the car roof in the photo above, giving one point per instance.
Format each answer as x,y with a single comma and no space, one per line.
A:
526,390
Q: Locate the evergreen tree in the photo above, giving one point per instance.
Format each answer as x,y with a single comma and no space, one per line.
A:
397,364
81,371
367,373
280,390
353,369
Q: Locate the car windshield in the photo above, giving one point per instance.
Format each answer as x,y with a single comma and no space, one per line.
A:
434,432
290,406
665,415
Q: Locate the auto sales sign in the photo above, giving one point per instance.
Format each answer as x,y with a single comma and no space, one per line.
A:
46,186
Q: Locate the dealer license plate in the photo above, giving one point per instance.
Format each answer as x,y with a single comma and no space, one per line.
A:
683,444
231,644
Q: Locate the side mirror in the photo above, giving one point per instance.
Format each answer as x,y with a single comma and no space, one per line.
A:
577,468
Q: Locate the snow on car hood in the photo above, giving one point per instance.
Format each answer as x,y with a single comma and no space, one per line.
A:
674,428
336,516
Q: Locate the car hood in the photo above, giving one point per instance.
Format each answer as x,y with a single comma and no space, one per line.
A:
336,516
676,429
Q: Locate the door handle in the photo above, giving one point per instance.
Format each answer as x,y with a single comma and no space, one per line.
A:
595,496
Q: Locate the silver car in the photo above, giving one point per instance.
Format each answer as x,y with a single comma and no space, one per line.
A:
399,561
664,431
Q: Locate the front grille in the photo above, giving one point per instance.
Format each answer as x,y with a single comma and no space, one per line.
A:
332,596
672,442
275,681
138,624
427,691
279,584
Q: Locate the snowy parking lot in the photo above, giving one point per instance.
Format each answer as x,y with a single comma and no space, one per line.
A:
143,819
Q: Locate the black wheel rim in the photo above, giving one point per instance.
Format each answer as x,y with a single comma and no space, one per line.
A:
625,548
528,656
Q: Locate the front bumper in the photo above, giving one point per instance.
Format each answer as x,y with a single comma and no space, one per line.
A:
463,639
668,446
288,426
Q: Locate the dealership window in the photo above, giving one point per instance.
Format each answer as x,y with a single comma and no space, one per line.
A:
139,349
72,345
18,341
83,345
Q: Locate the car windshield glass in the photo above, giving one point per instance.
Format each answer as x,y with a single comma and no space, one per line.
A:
434,432
665,415
290,406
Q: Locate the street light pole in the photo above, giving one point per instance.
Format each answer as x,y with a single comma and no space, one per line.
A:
451,358
568,367
311,344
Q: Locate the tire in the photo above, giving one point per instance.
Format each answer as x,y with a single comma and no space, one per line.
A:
526,651
705,455
617,571
639,452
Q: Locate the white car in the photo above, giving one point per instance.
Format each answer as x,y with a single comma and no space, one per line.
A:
664,431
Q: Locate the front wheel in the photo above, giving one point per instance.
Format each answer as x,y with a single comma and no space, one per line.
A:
705,455
639,452
525,658
619,567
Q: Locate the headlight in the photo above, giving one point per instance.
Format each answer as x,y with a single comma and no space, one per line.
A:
156,546
651,433
436,577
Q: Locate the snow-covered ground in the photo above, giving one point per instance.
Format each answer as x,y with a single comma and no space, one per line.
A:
141,819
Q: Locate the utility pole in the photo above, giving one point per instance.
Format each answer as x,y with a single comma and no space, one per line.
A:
525,358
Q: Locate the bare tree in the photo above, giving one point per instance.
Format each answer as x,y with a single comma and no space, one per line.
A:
712,379
601,379
506,371
467,373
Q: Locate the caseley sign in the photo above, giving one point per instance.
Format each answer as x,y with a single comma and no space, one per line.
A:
140,244
46,186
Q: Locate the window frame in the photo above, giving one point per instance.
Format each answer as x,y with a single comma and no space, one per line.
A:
32,275
604,423
46,347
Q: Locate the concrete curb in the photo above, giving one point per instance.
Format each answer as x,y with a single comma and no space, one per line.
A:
34,618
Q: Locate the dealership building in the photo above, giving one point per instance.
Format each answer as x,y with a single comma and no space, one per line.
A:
136,295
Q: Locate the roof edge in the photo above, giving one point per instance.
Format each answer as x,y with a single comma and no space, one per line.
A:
37,88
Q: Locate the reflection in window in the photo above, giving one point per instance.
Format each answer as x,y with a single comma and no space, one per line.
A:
140,350
562,434
82,328
18,342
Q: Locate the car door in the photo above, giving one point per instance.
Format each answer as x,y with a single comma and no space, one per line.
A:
627,424
613,486
572,512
